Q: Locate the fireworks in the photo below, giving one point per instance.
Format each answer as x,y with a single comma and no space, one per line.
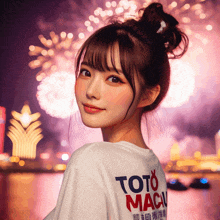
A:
56,56
182,84
189,14
64,46
56,94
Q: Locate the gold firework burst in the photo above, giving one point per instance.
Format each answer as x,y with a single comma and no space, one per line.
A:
56,53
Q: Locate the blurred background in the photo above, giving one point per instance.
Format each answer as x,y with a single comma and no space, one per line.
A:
40,125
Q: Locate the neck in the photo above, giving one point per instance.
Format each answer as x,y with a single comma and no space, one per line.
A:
128,130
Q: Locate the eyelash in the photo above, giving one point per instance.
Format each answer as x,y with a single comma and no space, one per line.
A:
118,79
113,76
81,71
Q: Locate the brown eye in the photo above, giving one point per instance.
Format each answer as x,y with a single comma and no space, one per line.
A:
85,72
114,79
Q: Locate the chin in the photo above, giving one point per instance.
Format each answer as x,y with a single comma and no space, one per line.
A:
91,125
96,123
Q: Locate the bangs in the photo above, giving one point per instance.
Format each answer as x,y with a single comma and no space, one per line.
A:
96,56
95,51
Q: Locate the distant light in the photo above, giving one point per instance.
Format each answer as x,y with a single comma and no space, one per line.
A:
50,52
108,4
15,159
186,6
119,10
49,42
198,12
65,157
197,6
96,20
64,143
60,167
114,4
37,62
44,156
133,7
109,12
103,14
63,34
32,48
126,6
203,180
186,20
209,27
44,52
202,16
87,23
70,35
91,18
173,181
90,28
26,119
81,35
173,4
96,12
21,163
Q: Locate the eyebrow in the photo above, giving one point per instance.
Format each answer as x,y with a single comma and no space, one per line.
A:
110,68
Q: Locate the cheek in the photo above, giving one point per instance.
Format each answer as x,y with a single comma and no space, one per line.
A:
79,88
121,98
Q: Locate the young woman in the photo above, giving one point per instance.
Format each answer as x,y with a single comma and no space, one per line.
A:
122,72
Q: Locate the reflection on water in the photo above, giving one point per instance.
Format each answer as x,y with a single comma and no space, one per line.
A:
26,196
195,204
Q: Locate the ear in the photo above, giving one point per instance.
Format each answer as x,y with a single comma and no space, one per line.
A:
149,96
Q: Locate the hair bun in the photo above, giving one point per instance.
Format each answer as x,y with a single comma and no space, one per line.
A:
159,22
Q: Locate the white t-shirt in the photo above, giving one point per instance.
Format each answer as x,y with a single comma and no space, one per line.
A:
117,181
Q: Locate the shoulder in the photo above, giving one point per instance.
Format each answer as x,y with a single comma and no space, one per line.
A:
89,154
86,163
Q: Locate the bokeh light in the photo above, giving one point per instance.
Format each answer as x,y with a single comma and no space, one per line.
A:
65,157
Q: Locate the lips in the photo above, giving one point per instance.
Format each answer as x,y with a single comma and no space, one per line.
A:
92,109
92,106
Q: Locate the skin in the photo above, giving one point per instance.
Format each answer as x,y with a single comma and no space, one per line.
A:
112,92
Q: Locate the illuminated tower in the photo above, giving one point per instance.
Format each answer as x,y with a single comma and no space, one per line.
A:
2,128
24,132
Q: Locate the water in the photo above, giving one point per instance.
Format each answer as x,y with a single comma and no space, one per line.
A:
29,196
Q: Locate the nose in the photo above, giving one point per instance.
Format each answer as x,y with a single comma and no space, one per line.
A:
93,88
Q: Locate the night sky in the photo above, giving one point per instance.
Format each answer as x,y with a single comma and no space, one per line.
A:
18,31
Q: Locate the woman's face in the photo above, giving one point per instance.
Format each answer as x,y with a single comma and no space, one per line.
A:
104,97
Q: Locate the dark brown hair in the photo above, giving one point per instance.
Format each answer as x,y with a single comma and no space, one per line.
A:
145,45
